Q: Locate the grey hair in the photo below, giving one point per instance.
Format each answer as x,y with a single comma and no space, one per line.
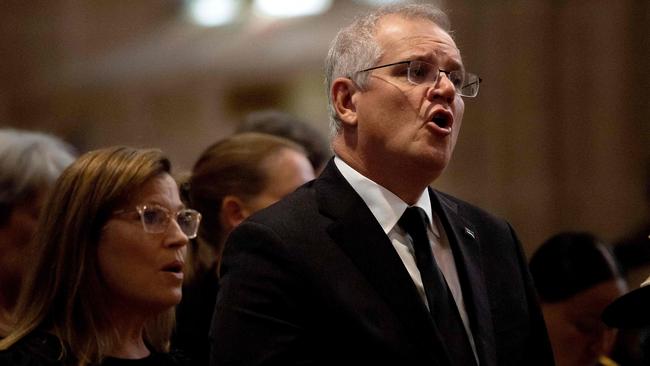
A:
355,48
29,161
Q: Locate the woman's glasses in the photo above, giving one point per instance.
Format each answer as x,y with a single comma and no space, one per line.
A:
155,219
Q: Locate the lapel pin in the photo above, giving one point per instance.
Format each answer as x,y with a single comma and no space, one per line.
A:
470,233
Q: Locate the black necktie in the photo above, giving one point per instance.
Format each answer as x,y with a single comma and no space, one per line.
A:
441,303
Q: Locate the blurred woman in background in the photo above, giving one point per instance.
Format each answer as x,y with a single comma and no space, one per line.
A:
231,180
282,124
576,277
30,162
107,268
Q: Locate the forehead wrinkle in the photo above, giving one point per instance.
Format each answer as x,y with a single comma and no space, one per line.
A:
424,48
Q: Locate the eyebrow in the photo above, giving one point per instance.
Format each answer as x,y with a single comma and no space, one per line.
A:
158,203
435,56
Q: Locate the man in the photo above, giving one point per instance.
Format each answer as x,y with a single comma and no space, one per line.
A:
336,274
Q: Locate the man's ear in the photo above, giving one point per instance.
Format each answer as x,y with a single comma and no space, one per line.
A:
343,90
233,212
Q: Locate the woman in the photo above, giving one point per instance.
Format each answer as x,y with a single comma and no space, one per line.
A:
231,180
30,162
107,265
576,276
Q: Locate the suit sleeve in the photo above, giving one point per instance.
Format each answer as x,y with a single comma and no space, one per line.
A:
257,317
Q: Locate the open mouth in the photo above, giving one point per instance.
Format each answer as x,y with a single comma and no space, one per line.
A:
175,267
442,119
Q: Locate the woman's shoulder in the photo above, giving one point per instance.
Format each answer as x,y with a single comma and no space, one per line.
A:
35,349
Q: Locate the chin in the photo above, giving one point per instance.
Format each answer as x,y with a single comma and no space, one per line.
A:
435,163
166,300
174,298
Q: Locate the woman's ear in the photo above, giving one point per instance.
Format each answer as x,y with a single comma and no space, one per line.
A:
343,90
233,212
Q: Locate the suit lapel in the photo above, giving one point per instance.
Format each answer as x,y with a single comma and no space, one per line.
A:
465,244
360,236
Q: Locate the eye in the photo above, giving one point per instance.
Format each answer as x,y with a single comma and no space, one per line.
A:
185,218
421,72
589,326
154,216
457,78
188,220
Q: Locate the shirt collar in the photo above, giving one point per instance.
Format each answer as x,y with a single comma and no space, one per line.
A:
385,206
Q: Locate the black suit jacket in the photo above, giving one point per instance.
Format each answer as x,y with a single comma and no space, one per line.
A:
314,279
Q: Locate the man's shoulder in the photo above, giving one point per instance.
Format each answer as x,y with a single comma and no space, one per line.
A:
295,213
301,201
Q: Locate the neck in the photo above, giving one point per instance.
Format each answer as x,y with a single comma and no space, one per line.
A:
406,182
130,328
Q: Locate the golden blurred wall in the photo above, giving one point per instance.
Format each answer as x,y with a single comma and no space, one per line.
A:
558,138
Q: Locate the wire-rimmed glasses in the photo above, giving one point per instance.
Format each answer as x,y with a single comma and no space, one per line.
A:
155,219
421,72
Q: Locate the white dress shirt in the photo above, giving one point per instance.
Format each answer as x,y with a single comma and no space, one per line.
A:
387,208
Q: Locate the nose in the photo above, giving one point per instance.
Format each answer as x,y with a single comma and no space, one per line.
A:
175,237
442,88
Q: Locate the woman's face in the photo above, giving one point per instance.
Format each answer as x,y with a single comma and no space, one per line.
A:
577,333
285,170
144,271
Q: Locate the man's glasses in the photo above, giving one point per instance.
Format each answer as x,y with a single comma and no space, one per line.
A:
155,219
420,72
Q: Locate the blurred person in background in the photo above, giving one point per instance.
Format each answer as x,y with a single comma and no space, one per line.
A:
577,276
108,256
231,180
30,162
285,125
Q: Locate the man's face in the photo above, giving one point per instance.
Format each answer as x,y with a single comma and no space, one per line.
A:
413,126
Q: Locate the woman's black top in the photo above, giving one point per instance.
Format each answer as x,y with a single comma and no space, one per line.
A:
44,349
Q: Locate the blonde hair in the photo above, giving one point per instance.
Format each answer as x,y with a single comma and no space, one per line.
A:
63,292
